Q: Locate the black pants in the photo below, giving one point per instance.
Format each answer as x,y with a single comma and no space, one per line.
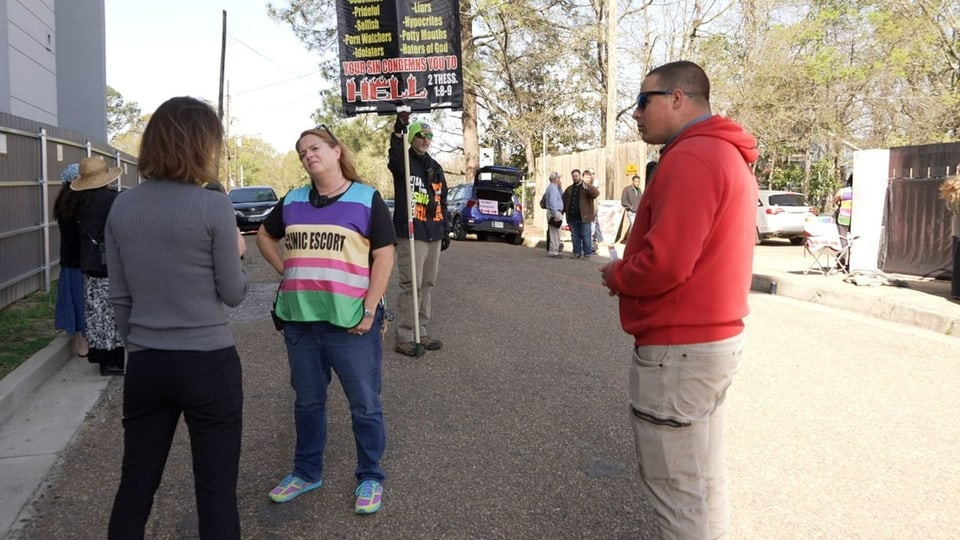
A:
206,387
112,358
955,275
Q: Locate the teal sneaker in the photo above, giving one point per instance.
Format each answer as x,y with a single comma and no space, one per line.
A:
369,497
291,487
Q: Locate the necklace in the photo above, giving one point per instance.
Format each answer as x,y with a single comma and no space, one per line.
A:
318,200
331,193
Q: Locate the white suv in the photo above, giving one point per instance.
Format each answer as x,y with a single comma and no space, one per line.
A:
782,214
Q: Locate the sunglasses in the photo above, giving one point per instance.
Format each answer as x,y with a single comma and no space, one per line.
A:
644,97
422,135
330,133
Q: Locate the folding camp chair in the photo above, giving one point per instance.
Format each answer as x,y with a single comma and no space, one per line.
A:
822,241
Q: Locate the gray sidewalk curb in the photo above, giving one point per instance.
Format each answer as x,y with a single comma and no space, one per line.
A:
27,377
879,308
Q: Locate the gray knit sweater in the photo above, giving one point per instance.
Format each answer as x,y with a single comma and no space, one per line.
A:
173,260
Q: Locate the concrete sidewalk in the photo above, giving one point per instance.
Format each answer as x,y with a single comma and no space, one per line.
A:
45,400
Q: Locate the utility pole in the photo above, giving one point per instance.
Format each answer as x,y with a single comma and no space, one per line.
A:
612,176
231,180
223,63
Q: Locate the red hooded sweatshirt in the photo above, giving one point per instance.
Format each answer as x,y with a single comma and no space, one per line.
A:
687,267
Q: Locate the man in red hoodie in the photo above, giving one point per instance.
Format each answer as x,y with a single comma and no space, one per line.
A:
683,284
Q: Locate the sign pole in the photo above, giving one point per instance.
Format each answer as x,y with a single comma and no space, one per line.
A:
413,248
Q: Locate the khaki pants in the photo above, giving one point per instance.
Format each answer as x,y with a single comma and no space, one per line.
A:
677,401
553,239
427,256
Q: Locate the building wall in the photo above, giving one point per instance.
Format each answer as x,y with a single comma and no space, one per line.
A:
4,60
31,46
82,67
54,69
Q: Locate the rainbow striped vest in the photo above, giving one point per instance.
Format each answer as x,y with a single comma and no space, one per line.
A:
326,260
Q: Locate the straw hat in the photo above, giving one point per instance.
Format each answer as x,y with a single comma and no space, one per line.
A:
94,174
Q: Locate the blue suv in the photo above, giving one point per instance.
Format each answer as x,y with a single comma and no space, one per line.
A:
489,205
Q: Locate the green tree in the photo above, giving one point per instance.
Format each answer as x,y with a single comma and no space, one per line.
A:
125,123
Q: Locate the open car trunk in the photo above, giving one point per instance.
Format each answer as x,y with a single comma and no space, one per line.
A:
494,188
494,202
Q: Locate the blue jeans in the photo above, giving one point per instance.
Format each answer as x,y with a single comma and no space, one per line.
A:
313,349
580,233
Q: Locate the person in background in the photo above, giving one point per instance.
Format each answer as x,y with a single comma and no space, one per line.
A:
843,207
682,286
554,203
69,313
597,238
578,205
650,169
94,201
431,230
174,252
950,194
629,200
843,216
331,305
955,270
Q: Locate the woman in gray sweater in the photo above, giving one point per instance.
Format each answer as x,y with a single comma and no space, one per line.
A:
174,250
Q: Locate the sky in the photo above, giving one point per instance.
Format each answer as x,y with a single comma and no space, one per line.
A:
160,49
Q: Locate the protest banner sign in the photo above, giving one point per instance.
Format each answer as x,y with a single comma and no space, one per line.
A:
399,53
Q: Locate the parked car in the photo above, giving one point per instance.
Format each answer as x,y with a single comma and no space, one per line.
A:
488,205
251,205
782,214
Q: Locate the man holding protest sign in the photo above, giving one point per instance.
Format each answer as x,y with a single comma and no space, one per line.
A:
429,225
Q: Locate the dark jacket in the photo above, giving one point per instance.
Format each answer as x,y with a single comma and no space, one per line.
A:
431,222
91,219
583,209
630,198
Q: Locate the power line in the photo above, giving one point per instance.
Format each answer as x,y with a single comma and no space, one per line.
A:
260,54
274,84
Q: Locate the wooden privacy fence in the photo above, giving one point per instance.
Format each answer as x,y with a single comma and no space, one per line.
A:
32,156
625,156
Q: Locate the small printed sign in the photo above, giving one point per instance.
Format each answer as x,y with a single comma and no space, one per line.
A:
487,206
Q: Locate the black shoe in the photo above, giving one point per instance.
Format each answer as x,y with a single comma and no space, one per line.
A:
107,370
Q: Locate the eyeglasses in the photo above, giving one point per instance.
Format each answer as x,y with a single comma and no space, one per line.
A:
330,133
644,97
421,135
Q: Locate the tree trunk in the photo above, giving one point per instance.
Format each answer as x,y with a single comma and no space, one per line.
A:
471,142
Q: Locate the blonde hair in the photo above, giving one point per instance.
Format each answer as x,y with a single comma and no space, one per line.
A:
950,192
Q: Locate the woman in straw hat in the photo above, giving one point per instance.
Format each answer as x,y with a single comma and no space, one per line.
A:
177,250
94,202
69,315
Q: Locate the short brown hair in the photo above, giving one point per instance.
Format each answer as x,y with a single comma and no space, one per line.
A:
182,142
684,75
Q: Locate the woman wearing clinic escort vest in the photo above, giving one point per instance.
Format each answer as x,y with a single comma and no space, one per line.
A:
339,241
